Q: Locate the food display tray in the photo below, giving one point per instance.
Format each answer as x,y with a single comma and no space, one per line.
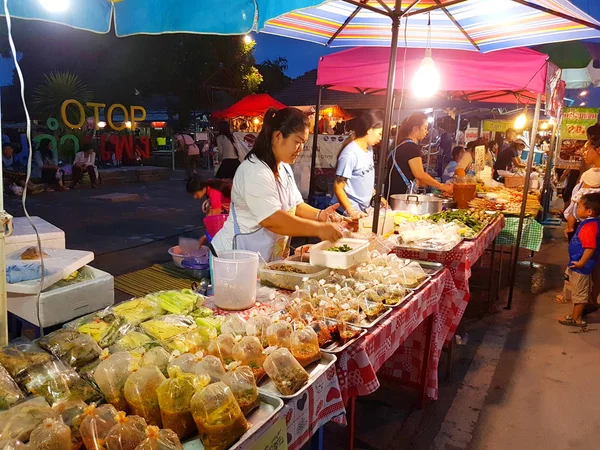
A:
377,320
414,248
420,285
320,256
315,370
269,407
289,280
431,268
337,347
402,302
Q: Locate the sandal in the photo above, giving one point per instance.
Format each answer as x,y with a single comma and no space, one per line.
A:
560,299
570,322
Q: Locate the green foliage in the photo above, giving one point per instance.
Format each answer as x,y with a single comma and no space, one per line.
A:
274,77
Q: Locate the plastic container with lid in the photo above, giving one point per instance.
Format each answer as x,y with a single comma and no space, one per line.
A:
289,274
320,255
235,274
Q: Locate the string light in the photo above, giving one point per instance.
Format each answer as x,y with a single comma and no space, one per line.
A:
520,121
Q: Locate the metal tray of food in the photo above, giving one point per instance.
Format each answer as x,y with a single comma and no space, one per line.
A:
402,302
315,370
268,409
431,268
418,286
415,248
295,275
338,347
370,324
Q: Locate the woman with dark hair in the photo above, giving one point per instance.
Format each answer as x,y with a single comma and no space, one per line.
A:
45,165
450,170
229,153
355,171
85,161
266,205
218,193
406,168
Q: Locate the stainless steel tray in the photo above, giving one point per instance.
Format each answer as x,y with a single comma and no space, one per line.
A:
337,347
431,268
377,320
420,285
269,407
402,302
315,370
424,249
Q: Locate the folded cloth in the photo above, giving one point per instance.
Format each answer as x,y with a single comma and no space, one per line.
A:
25,271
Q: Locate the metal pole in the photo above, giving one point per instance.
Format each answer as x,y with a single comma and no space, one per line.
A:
457,129
534,129
430,142
389,100
547,192
315,147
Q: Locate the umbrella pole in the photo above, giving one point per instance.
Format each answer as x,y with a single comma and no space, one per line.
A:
534,130
547,192
457,128
430,143
387,121
315,147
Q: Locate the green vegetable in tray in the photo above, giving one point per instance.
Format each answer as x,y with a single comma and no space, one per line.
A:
475,220
202,311
340,249
178,302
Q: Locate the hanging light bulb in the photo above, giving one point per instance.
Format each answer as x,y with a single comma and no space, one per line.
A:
551,121
544,126
427,79
55,6
520,121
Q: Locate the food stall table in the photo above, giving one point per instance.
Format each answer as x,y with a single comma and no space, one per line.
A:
531,239
459,261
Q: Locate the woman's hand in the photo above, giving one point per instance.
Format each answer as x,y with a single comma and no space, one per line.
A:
447,188
354,214
329,232
330,214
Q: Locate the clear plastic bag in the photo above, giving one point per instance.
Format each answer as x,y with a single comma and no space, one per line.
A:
287,373
242,383
279,334
349,316
218,417
222,348
127,434
111,375
234,325
140,393
10,393
71,346
158,357
305,346
211,366
166,328
51,435
157,439
191,342
19,361
184,362
132,341
104,327
174,397
323,333
13,444
257,326
138,310
249,352
96,424
72,413
20,420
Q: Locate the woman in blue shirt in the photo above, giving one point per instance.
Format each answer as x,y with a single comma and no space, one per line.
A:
355,171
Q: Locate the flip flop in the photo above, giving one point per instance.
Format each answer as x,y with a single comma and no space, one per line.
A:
570,322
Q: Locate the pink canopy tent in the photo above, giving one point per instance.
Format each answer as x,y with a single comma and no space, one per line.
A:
505,76
250,106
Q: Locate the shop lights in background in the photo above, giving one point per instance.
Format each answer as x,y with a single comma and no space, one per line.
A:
55,6
256,121
544,126
521,121
101,124
248,39
582,104
551,121
583,93
427,79
158,124
128,124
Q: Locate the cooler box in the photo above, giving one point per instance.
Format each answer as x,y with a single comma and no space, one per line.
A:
23,235
62,304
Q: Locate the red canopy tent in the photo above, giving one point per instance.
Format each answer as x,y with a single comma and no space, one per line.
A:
250,106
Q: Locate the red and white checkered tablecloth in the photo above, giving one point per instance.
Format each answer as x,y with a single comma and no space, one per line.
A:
397,344
459,261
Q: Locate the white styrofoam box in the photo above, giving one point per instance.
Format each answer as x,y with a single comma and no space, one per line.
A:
58,264
62,304
319,256
384,227
23,235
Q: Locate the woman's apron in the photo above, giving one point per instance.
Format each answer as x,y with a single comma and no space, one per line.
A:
271,246
411,186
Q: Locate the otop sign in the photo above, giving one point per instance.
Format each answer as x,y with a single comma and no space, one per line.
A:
129,115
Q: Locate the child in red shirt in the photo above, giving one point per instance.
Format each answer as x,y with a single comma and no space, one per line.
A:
217,192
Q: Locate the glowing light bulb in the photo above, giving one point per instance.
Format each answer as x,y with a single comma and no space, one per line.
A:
544,126
583,93
128,124
55,6
430,119
551,121
101,124
427,79
520,121
256,121
248,39
582,104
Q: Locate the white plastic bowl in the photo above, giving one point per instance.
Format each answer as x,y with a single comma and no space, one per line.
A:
178,256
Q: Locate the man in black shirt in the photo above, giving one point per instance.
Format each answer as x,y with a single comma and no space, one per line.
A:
509,157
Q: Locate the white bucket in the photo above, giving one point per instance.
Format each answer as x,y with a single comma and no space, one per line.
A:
235,274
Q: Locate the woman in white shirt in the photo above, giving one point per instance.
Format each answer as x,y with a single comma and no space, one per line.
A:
266,205
229,154
85,161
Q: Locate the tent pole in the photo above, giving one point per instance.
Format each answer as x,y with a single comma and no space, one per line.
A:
315,147
534,130
547,192
387,121
430,142
457,129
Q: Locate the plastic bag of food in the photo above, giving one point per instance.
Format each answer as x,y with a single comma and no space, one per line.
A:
138,310
157,439
209,365
218,417
10,393
249,352
71,346
222,348
158,357
72,413
242,383
18,362
20,420
96,424
177,302
191,342
322,330
167,327
349,315
305,346
111,375
395,293
287,373
140,393
279,333
127,434
185,362
52,434
174,397
257,326
13,444
329,309
234,325
133,340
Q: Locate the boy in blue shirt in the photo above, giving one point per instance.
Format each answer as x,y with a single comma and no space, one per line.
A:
584,253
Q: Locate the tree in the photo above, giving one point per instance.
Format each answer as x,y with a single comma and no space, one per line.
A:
274,77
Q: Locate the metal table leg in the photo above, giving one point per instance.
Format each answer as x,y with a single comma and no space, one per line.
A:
350,414
491,280
316,442
427,354
500,272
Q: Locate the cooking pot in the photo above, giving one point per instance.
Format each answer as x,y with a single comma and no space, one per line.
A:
416,204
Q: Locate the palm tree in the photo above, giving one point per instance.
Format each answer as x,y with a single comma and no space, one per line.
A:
58,87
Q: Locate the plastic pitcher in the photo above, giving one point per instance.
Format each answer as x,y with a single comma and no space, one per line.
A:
234,279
